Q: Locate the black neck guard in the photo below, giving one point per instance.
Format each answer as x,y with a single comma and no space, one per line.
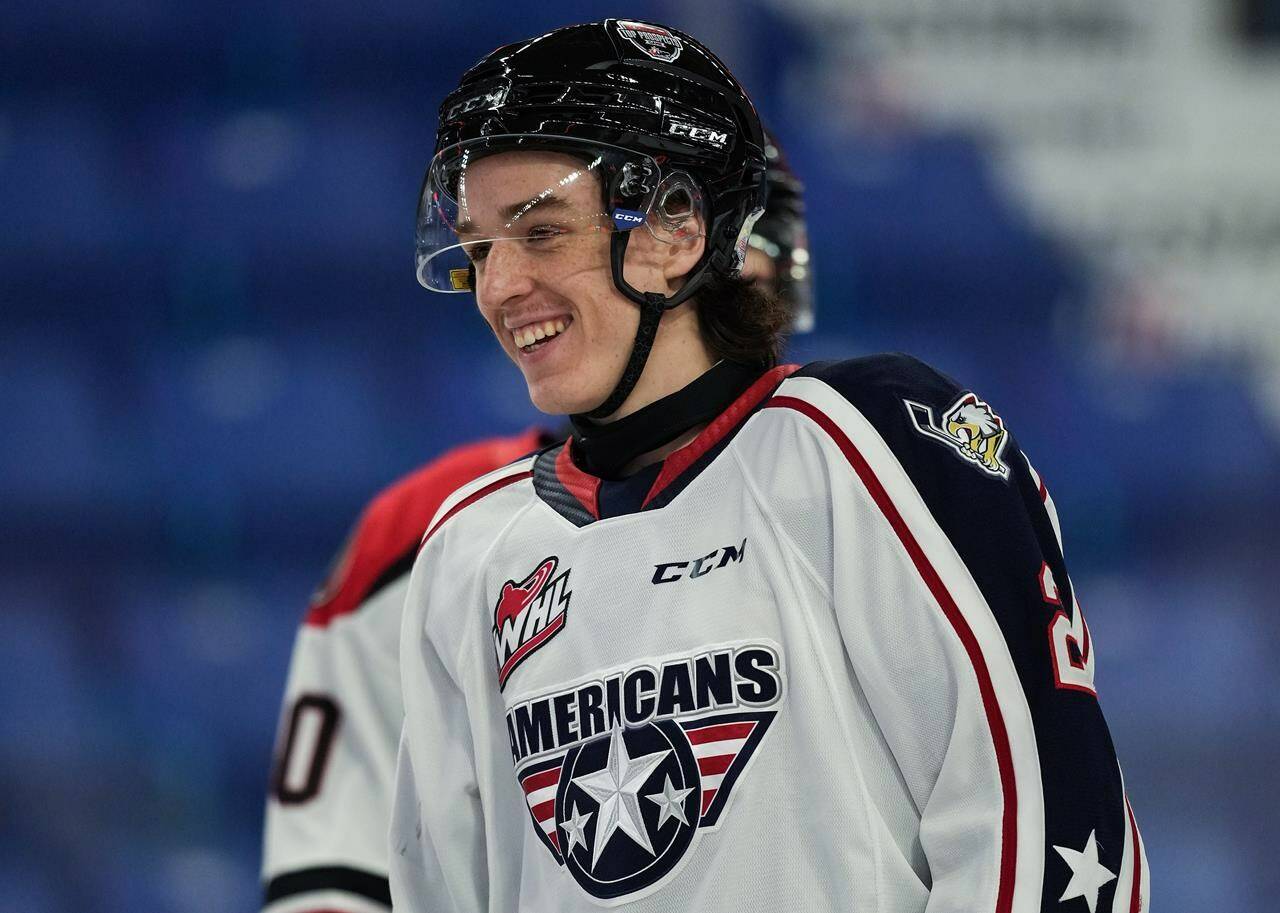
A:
603,449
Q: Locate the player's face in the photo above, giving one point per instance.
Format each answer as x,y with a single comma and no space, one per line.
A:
547,292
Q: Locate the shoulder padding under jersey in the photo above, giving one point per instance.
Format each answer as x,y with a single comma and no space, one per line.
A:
384,541
975,482
984,495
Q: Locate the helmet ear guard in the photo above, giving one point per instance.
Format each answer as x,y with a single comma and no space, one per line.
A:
675,212
677,205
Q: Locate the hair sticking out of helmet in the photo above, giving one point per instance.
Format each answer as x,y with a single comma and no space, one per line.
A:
782,236
678,140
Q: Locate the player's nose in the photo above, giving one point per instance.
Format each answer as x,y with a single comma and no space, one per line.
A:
505,275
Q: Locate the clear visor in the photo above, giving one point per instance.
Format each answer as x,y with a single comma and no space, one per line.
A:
537,199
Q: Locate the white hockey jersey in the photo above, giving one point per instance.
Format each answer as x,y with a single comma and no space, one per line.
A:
825,658
325,841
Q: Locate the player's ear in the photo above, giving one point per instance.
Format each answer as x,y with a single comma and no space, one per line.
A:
679,222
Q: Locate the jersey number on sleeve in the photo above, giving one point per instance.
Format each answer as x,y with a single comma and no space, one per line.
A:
313,722
1069,643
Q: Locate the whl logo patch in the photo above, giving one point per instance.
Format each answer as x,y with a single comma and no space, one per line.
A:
528,614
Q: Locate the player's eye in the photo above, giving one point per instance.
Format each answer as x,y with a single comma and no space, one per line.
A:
545,233
477,252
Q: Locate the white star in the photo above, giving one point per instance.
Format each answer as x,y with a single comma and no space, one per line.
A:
576,828
670,803
617,789
1087,874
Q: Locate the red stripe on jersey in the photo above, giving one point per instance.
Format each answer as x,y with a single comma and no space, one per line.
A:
707,796
583,486
473,498
391,526
716,764
528,647
725,422
995,721
554,837
1135,894
544,810
720,733
542,780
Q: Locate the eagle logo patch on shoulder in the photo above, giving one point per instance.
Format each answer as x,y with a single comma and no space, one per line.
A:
970,427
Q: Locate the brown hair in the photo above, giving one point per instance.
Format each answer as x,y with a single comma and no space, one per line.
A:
742,322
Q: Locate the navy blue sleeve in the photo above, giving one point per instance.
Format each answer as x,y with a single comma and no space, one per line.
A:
987,499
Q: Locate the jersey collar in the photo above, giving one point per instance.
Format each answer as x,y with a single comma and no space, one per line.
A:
604,449
577,494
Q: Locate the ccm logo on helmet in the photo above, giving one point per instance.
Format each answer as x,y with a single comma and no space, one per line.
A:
717,138
624,219
490,99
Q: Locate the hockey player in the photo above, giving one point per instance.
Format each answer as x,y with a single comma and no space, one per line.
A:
325,843
757,637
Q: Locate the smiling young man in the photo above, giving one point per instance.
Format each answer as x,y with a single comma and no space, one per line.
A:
756,637
329,807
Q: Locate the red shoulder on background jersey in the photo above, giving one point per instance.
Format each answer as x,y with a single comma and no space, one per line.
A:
389,529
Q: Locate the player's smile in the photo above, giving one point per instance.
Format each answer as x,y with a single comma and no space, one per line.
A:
534,338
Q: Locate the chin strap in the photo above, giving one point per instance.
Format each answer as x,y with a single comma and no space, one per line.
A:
604,449
651,311
652,307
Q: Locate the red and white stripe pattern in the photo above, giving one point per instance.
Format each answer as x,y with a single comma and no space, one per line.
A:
1133,881
473,491
716,746
1049,506
540,792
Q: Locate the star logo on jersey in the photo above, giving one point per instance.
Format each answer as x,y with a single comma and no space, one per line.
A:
1088,875
621,811
624,773
528,614
970,427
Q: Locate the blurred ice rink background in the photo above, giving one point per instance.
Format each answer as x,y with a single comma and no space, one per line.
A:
213,351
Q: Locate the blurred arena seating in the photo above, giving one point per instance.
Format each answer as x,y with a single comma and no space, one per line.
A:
213,351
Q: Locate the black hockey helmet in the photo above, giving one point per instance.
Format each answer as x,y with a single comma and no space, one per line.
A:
782,235
648,110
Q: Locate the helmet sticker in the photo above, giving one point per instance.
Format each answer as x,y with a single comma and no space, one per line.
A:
460,279
653,40
627,219
744,237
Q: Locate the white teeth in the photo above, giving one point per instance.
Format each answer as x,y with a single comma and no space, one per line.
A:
527,336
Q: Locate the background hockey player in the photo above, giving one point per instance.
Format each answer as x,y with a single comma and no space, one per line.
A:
758,636
325,844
